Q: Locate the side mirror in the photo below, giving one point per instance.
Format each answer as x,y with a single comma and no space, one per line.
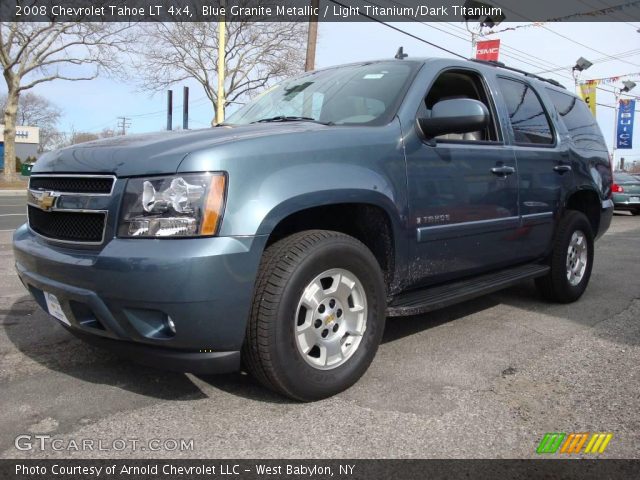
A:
459,115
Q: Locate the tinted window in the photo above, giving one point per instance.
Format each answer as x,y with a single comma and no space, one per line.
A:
577,117
528,118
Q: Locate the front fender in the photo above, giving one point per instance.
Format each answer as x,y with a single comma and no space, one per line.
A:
329,197
256,209
272,177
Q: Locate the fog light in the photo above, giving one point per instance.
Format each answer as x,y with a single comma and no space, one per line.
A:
171,325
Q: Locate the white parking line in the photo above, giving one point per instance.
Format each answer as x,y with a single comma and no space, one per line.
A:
11,214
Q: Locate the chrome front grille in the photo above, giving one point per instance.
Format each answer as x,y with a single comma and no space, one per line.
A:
96,185
60,207
68,226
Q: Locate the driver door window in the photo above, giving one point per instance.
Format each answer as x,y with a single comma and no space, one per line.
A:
461,84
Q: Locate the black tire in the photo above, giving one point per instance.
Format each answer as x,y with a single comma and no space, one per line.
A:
555,286
270,353
635,212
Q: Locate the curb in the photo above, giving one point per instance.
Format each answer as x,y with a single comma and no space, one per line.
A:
7,193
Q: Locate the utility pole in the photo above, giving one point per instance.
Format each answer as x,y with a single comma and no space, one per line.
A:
185,108
312,37
123,124
221,65
170,110
616,93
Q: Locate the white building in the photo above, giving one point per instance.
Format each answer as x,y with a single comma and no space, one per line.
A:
27,142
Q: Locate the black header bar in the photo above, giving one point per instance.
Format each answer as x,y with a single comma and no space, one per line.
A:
487,12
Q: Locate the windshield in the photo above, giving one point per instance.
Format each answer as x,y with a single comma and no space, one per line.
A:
350,95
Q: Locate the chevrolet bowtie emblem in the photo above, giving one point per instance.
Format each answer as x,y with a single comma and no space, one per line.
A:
45,200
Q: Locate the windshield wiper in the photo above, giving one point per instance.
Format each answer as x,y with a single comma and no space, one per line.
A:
287,118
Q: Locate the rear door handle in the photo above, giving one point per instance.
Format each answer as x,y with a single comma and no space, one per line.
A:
562,168
503,170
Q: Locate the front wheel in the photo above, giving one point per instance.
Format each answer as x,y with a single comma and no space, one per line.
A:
571,260
317,317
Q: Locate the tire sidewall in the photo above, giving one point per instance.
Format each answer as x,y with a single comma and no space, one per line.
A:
303,380
567,291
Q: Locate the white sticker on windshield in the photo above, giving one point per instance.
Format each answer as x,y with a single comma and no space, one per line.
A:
370,76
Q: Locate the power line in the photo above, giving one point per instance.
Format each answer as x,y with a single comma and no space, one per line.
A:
463,38
615,56
611,106
403,31
565,37
508,55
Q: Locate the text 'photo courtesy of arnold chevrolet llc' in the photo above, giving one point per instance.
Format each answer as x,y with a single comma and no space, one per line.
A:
319,238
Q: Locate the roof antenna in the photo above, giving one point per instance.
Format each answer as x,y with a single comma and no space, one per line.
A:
400,54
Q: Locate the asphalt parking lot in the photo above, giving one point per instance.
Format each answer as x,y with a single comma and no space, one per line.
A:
487,378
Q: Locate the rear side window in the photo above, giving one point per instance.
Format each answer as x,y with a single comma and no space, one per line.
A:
528,117
577,117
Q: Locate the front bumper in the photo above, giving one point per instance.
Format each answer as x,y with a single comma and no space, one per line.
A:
122,296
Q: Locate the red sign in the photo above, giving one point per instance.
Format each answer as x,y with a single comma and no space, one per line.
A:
488,50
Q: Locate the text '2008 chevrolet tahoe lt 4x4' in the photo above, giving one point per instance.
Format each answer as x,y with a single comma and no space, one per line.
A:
280,241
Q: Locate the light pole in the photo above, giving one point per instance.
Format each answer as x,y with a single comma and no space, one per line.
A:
221,65
581,65
489,21
628,85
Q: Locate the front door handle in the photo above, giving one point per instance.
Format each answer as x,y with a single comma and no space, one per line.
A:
562,168
503,170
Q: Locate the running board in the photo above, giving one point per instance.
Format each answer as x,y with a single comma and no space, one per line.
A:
433,298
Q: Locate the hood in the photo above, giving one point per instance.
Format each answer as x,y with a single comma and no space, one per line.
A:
155,153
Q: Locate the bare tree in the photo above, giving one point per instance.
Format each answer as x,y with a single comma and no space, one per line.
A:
33,53
37,111
81,137
257,54
74,136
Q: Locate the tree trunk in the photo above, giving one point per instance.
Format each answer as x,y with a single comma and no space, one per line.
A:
10,114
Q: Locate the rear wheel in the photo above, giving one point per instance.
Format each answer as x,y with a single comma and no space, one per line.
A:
571,260
317,317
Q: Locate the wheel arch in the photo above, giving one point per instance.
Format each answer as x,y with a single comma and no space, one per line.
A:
370,217
587,201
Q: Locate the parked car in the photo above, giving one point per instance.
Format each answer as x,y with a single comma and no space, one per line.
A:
626,192
279,241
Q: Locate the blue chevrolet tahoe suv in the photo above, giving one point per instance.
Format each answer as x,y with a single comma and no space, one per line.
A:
279,241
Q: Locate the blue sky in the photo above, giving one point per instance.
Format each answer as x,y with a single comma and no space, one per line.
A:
94,105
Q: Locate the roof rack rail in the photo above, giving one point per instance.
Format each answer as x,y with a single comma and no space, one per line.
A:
497,64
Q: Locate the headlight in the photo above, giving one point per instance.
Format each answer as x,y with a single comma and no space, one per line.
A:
187,205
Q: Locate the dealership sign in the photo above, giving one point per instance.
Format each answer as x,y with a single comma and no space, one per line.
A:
624,131
488,50
588,93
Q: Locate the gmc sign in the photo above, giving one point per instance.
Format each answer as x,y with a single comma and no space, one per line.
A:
488,50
